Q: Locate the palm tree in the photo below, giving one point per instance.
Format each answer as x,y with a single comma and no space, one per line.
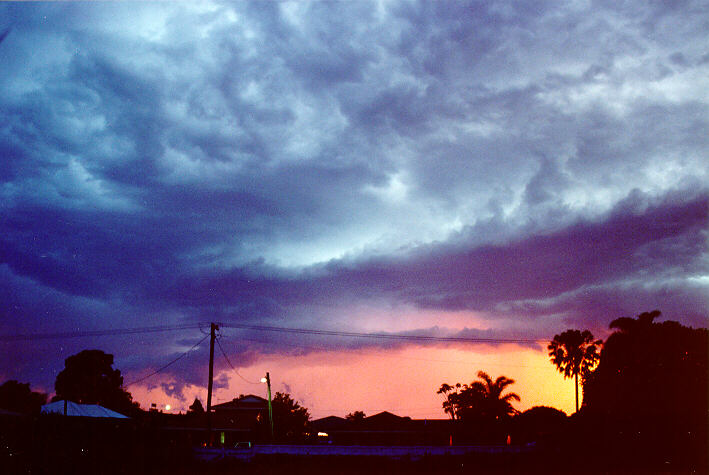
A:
574,352
481,399
494,404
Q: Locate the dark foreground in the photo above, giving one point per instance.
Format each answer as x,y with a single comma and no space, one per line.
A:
56,445
547,463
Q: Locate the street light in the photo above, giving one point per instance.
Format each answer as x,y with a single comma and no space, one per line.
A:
267,380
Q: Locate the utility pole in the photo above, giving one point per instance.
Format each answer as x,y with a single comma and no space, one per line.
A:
212,335
270,407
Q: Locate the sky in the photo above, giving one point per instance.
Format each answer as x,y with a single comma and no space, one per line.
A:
483,170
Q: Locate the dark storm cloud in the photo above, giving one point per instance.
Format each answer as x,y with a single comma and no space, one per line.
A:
636,244
280,163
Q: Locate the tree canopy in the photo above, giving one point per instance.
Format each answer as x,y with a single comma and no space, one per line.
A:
18,397
88,377
290,419
482,399
355,416
196,407
540,423
650,369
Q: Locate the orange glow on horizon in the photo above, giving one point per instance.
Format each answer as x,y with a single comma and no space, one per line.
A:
402,381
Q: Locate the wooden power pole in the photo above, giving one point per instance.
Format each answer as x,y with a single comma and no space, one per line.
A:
212,335
270,407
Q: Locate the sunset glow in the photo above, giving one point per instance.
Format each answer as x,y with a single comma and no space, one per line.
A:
403,382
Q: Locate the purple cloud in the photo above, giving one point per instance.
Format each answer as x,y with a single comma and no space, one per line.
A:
283,164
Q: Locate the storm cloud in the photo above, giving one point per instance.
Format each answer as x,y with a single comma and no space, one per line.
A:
284,163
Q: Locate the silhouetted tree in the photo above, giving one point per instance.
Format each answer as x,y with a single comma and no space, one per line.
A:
540,424
88,377
18,397
479,400
543,415
642,323
648,400
494,404
290,419
196,407
651,368
574,353
355,416
450,393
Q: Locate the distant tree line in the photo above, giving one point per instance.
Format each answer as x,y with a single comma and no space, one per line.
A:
18,397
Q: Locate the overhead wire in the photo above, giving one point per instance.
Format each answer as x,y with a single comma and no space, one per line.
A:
401,357
232,366
265,328
386,336
167,365
262,328
95,333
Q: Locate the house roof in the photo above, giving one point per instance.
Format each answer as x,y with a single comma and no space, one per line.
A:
6,413
383,421
330,423
248,402
80,410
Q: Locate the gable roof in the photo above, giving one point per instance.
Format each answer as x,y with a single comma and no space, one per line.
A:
385,417
80,410
248,402
330,423
250,398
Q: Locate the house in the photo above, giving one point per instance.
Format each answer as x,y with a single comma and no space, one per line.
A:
383,428
240,420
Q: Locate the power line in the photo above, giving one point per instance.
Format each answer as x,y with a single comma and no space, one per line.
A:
94,333
167,365
375,355
232,366
384,336
305,331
